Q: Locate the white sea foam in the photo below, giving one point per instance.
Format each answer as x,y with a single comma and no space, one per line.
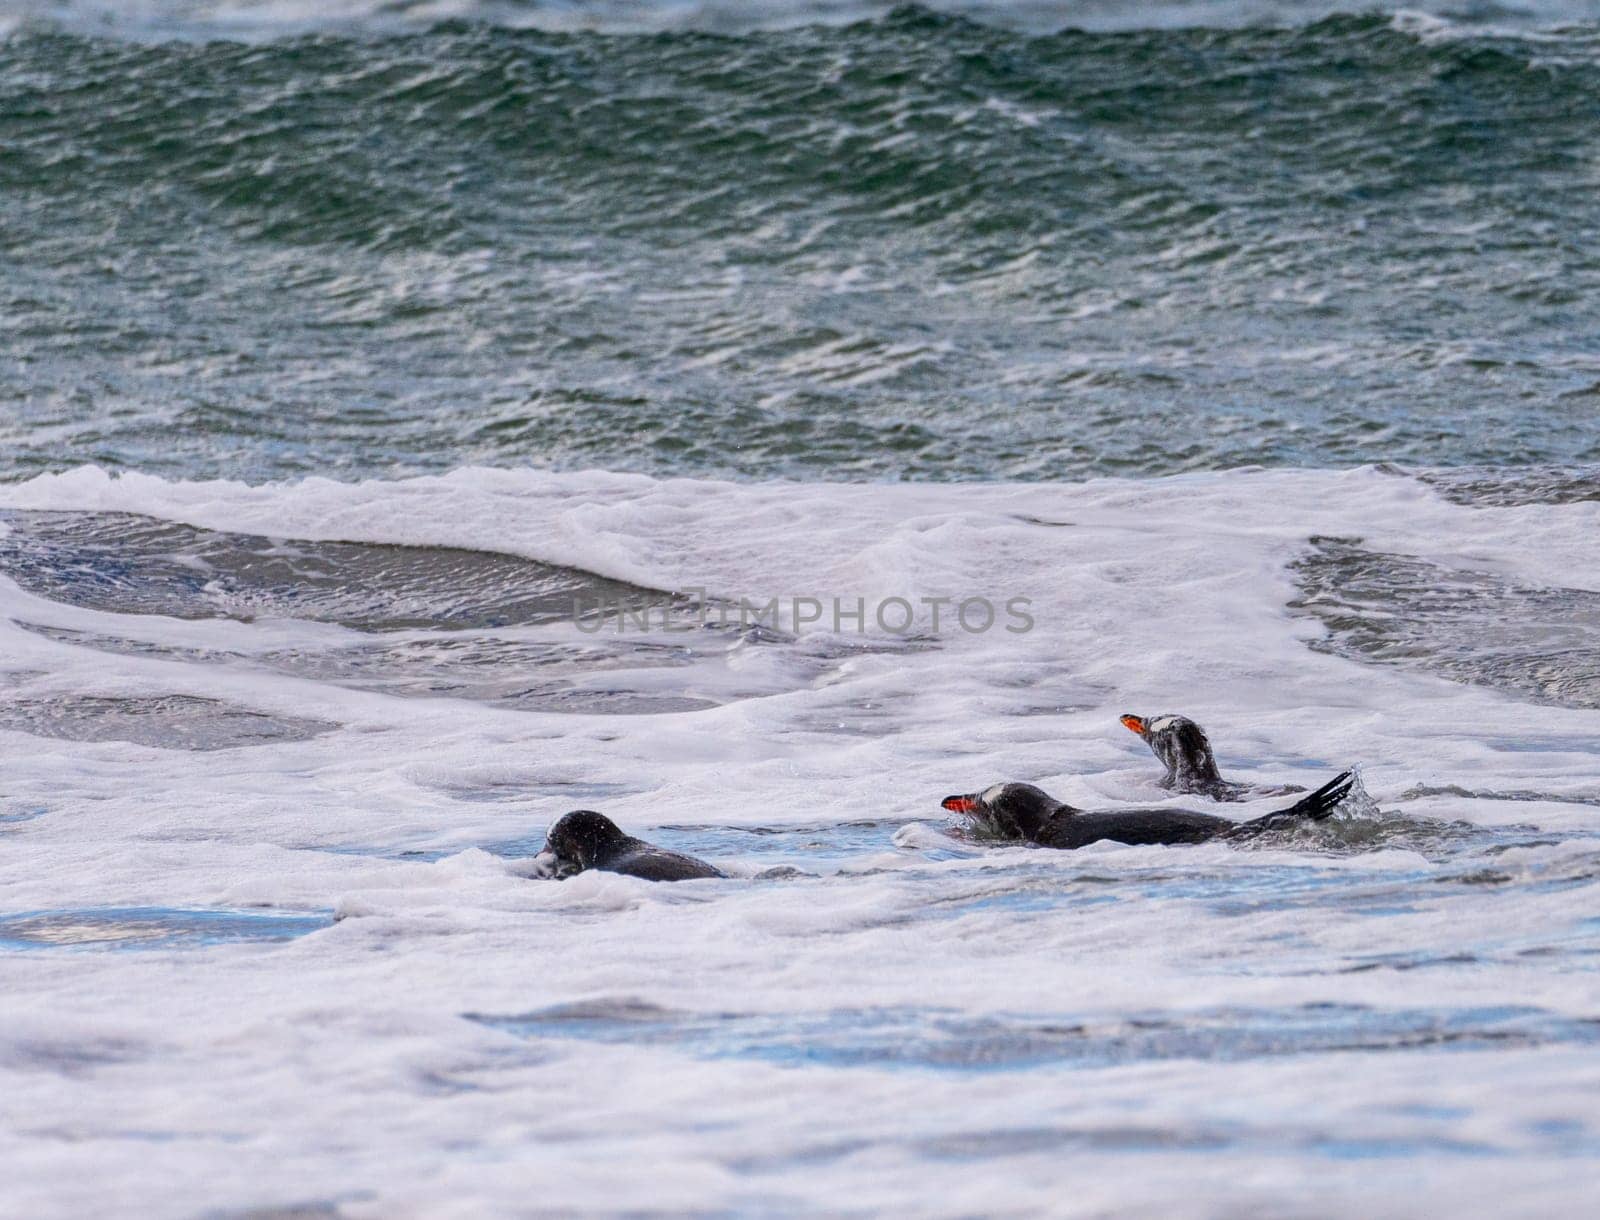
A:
271,18
737,1061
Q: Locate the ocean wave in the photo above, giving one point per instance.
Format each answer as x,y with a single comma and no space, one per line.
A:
839,253
444,140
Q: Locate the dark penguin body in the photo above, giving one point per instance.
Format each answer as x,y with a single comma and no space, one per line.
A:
1185,751
584,839
1022,811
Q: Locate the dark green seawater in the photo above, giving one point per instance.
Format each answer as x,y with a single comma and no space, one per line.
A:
917,246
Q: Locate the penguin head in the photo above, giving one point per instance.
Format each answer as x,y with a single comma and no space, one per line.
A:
580,840
1182,747
1012,811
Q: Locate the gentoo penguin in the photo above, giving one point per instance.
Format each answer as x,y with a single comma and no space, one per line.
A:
584,839
1184,749
1022,811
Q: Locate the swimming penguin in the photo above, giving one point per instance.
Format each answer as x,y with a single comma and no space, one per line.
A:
584,839
1183,747
1022,811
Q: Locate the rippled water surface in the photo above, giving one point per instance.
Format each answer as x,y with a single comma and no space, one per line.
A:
913,246
149,928
1471,625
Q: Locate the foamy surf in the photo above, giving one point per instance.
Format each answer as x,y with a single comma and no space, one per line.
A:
260,19
1245,1021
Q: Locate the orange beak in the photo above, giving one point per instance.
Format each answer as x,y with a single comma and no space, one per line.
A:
960,804
1134,724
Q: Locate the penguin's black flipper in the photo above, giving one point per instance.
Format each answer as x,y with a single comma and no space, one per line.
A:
1315,806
